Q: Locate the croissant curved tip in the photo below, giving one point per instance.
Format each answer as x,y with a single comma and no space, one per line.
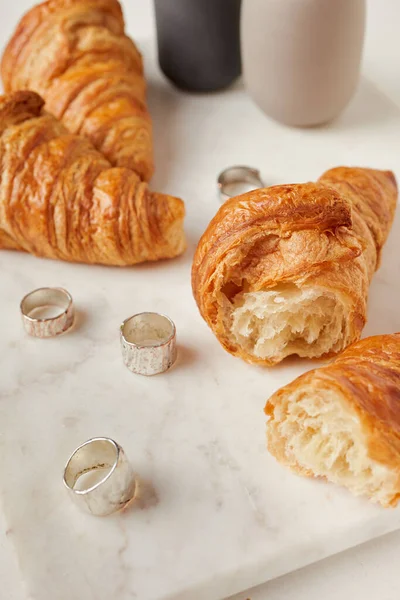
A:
342,172
392,178
22,102
18,107
169,214
29,23
173,227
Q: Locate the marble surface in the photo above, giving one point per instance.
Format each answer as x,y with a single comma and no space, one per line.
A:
215,513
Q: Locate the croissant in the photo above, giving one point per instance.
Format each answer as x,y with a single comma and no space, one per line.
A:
285,270
60,198
342,421
75,54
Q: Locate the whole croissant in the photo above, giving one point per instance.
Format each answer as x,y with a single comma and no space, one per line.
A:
286,270
342,421
60,198
75,54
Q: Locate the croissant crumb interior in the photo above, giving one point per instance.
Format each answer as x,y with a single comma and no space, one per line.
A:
315,431
286,319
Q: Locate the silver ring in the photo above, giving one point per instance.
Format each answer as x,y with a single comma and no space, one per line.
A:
235,176
35,308
148,343
109,482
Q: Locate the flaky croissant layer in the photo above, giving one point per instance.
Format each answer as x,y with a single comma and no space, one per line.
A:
60,198
342,421
286,270
75,54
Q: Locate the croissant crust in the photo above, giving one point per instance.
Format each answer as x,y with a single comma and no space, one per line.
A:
286,270
60,198
342,421
75,54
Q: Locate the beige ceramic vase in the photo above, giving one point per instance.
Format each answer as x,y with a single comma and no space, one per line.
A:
301,58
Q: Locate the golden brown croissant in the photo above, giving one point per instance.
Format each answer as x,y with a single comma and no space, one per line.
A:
342,421
285,270
75,54
60,198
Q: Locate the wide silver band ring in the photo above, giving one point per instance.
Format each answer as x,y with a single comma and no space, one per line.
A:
33,305
109,482
235,176
148,343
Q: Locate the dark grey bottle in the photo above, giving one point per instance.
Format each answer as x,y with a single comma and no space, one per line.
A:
199,42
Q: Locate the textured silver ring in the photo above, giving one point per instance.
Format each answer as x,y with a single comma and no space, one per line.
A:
109,481
43,299
238,175
148,343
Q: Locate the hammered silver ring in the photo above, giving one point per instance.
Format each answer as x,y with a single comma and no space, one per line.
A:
148,343
35,303
99,477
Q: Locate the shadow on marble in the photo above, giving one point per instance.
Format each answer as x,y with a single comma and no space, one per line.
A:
383,304
145,497
369,108
163,102
82,317
294,361
186,356
167,106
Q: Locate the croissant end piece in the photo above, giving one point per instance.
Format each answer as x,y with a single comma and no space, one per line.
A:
75,54
342,421
60,198
286,270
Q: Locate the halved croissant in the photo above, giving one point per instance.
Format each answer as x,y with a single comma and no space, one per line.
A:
286,270
60,198
342,421
75,54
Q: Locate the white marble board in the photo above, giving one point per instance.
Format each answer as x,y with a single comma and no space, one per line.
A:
216,514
